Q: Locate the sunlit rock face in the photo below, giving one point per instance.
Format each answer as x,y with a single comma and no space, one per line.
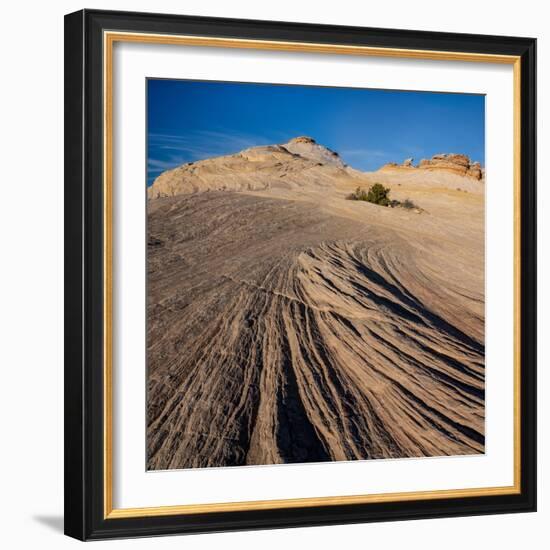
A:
288,324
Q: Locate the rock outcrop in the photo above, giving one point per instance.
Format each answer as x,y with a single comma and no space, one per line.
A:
475,171
298,163
447,162
308,148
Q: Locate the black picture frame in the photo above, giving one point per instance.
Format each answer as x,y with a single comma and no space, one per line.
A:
84,282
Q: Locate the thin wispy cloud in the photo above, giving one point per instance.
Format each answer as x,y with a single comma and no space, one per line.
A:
190,121
205,143
167,151
155,164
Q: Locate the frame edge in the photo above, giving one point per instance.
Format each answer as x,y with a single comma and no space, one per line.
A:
81,520
74,449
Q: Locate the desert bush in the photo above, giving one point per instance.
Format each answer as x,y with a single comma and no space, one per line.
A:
358,195
377,194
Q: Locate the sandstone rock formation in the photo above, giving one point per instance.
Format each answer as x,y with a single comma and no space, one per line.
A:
475,171
298,163
307,148
447,162
287,324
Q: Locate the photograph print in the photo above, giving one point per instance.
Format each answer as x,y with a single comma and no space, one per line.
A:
315,274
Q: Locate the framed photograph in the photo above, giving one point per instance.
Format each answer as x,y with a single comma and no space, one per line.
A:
300,274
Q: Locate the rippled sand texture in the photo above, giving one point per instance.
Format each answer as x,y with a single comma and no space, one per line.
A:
293,325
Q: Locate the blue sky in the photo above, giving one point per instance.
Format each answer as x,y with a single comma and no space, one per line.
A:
190,120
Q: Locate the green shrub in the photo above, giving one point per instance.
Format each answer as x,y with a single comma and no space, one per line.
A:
377,194
358,195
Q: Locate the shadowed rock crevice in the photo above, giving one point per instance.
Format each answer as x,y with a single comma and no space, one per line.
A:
295,437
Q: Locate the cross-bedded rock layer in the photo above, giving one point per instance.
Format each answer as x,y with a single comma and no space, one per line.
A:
281,331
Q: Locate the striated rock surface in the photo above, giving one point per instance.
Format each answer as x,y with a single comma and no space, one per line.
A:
308,148
287,324
298,163
460,165
475,171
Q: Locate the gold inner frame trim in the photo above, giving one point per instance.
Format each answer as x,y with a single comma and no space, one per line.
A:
109,39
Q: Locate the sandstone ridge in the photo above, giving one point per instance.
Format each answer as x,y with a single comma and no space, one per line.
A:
298,163
304,164
448,162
